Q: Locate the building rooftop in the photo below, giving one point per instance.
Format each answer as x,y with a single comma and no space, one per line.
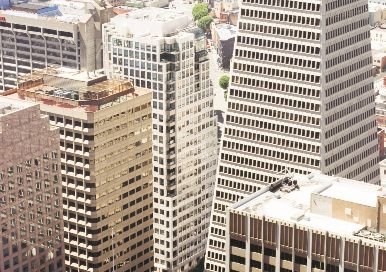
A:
55,10
226,31
72,89
291,200
30,7
153,22
9,105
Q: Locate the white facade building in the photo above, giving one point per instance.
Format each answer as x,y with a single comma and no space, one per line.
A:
301,99
57,33
158,49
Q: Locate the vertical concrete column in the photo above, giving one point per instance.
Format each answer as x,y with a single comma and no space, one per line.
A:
277,260
248,244
342,248
309,251
227,243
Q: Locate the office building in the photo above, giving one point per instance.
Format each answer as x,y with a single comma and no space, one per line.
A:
160,50
309,223
223,37
31,218
57,33
301,99
105,144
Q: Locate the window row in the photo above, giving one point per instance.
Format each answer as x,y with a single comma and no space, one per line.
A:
265,125
254,176
347,28
365,167
349,55
342,140
286,102
347,14
348,42
287,46
349,95
273,86
349,110
350,123
216,255
349,69
237,185
362,157
282,115
273,72
279,31
339,3
269,140
280,17
274,58
276,155
286,4
350,149
234,197
359,78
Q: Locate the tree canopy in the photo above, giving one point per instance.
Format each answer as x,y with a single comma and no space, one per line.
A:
224,82
200,10
204,22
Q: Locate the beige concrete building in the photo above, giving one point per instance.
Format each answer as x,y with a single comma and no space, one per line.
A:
30,190
309,223
105,143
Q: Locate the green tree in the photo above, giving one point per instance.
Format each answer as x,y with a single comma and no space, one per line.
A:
204,22
200,10
224,82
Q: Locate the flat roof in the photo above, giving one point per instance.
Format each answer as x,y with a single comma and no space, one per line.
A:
150,22
74,90
292,202
71,12
354,191
226,31
9,105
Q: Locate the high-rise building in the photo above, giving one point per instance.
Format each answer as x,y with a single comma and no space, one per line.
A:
57,33
309,223
31,218
105,144
160,50
300,99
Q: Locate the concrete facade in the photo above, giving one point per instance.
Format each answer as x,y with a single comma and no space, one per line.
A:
324,224
160,50
301,99
70,37
31,218
105,144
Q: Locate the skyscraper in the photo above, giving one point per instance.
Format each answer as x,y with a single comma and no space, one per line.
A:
105,151
31,218
300,99
159,49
